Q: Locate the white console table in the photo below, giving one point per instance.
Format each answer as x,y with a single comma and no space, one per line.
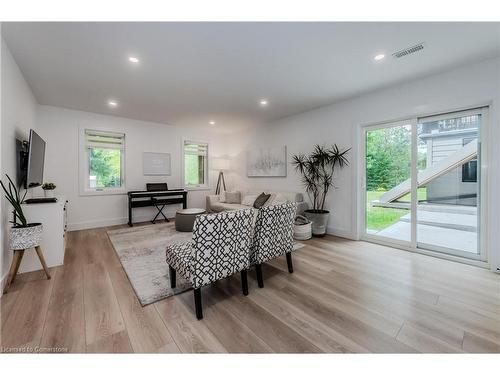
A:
53,218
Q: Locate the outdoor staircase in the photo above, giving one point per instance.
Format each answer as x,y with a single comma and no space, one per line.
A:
458,158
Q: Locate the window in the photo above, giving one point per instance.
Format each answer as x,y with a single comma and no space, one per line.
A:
195,164
469,170
103,159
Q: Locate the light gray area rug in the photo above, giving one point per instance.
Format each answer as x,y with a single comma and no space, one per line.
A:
141,251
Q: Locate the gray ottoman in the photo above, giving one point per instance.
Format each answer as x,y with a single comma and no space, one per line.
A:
184,219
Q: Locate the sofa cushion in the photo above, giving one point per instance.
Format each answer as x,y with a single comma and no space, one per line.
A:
217,207
279,199
290,196
249,199
222,197
215,203
269,202
232,207
233,197
261,200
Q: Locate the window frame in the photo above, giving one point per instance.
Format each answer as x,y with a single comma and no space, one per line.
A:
83,164
206,185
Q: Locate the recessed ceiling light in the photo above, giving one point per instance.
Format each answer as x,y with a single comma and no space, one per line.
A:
133,59
211,123
379,57
264,102
112,103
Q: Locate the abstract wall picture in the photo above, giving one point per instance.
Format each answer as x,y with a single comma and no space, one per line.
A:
267,162
156,164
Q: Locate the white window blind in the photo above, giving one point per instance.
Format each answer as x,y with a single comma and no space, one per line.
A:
97,139
194,148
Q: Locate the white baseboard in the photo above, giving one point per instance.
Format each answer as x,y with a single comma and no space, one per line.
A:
107,222
341,233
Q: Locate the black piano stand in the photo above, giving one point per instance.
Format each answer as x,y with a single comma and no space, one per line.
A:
160,211
159,199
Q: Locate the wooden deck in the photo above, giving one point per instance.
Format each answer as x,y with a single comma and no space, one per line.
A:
344,296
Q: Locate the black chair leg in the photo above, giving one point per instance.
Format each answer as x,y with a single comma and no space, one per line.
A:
197,303
258,271
173,280
289,262
244,282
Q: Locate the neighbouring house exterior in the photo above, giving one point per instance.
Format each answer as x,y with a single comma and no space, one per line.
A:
440,139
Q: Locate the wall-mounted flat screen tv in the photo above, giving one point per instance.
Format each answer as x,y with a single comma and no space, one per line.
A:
36,157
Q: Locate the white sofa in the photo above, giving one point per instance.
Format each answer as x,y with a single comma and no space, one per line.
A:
216,203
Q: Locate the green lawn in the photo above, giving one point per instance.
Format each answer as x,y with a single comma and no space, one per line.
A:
378,218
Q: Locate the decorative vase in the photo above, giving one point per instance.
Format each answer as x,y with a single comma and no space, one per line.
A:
49,193
21,238
319,220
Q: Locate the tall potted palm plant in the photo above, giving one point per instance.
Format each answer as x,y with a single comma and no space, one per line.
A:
23,235
317,170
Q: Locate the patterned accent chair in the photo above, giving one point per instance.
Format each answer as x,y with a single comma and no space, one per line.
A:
220,247
273,236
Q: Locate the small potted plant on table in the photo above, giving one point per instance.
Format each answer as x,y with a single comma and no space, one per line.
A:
48,189
317,170
23,235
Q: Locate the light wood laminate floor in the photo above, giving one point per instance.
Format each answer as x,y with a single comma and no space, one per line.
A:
344,296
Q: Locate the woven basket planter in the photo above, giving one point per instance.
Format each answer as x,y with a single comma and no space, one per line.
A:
302,228
302,232
21,238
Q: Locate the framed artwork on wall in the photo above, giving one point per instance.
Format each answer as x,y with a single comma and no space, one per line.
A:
267,162
156,164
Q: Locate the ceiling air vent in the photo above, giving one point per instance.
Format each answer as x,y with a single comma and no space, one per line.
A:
408,51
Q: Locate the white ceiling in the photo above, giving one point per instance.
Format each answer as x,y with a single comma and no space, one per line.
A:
191,73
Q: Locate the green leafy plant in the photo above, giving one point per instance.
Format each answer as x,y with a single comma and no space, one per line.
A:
13,196
317,170
48,186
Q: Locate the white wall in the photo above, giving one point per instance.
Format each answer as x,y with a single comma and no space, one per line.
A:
339,123
1,169
18,116
60,129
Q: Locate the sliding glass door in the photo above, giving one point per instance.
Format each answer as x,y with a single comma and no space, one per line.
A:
387,187
449,204
423,185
